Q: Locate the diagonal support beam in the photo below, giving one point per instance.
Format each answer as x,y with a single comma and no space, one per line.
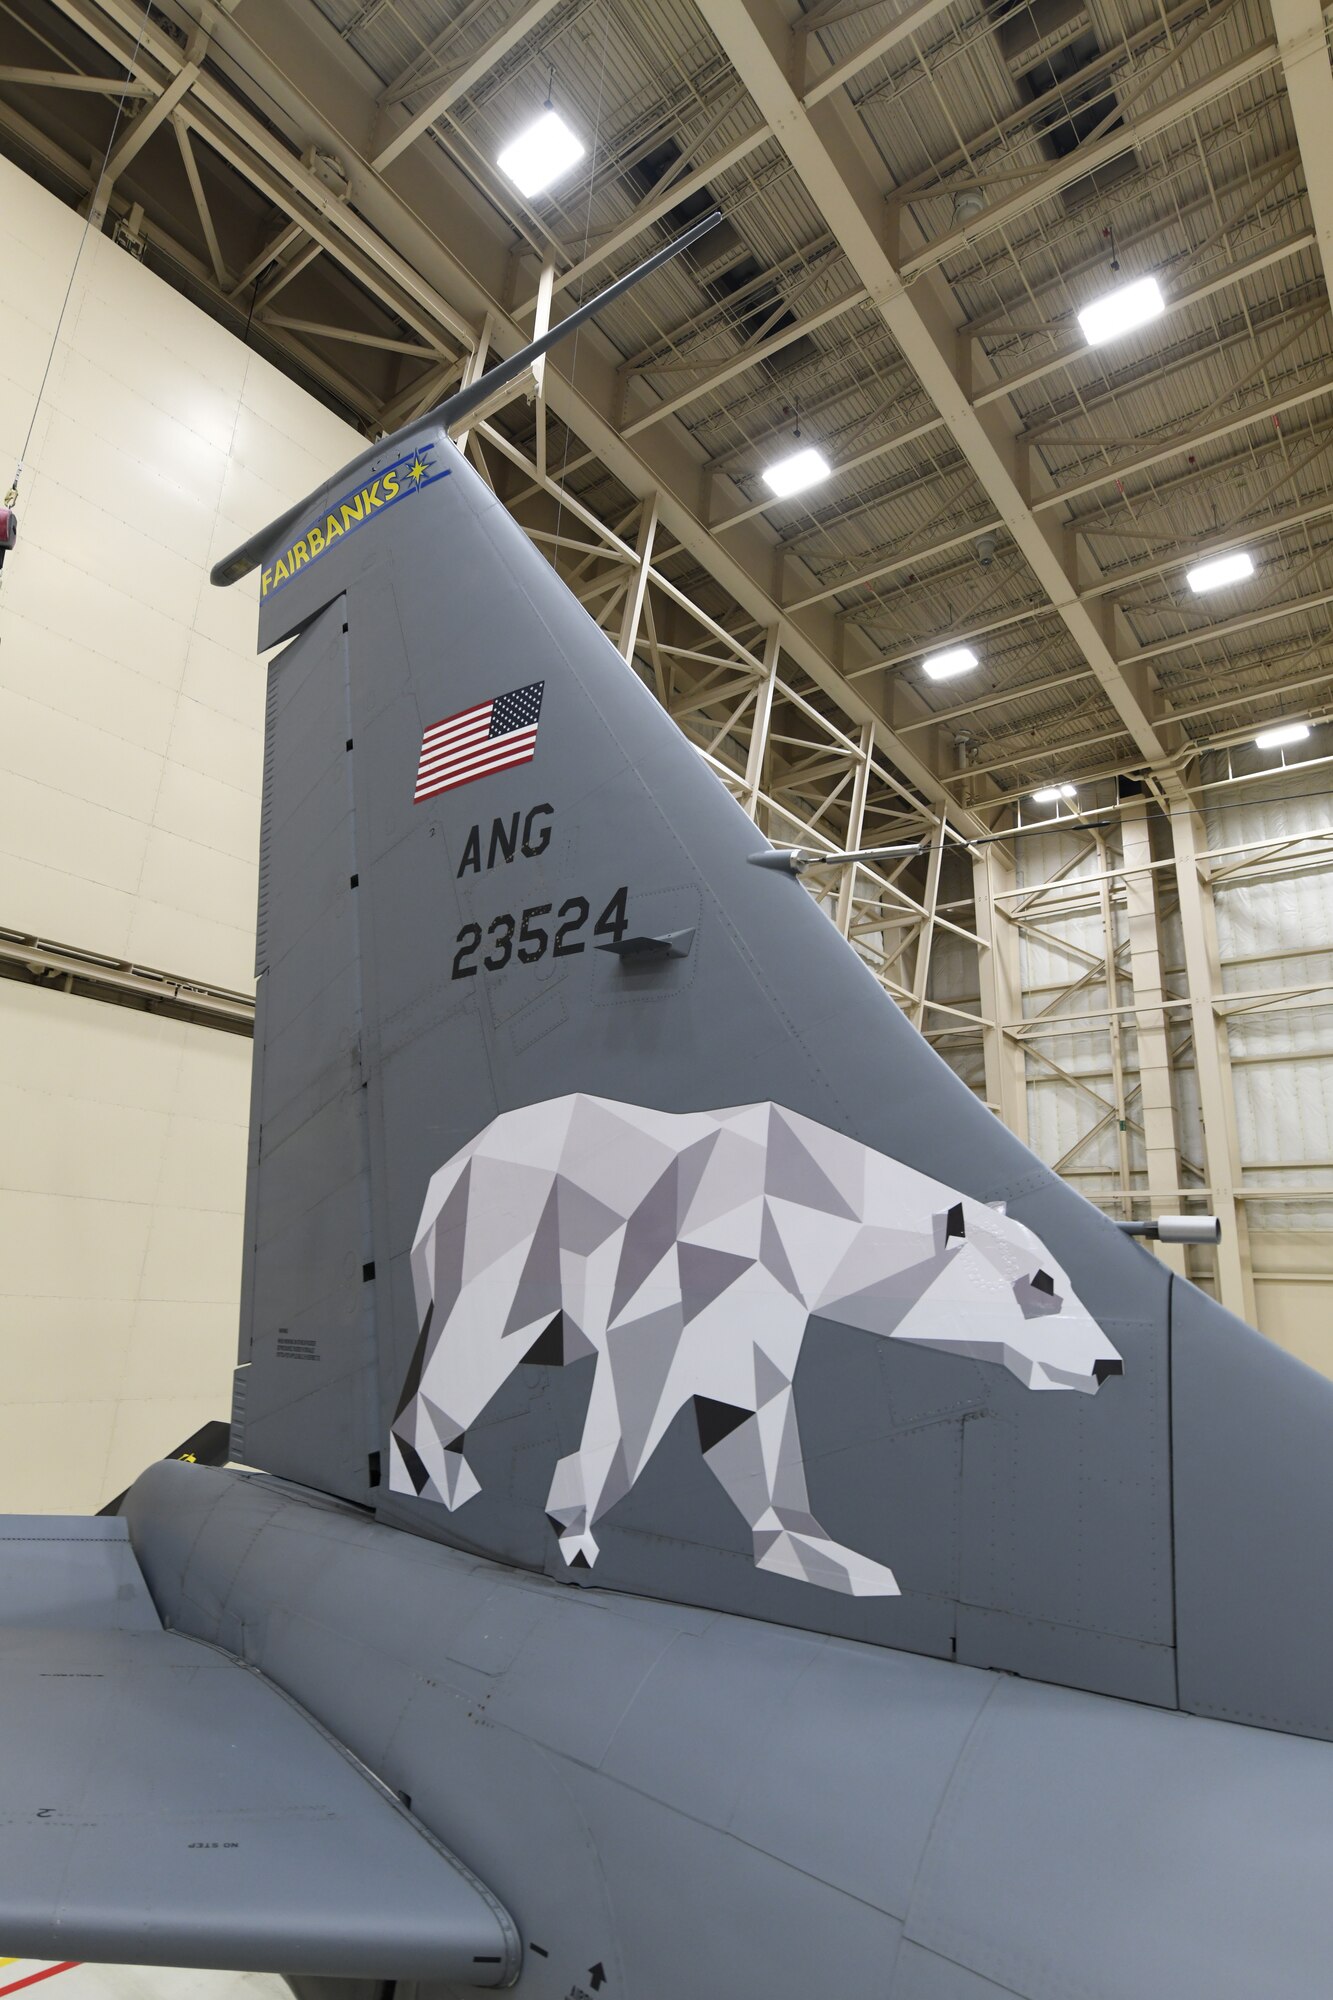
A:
1303,48
202,208
823,152
128,149
1087,159
463,80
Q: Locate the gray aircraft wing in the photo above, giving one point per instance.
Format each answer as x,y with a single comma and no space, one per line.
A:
163,1803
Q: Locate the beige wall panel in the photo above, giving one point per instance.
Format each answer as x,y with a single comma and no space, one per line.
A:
131,700
122,1179
1293,1289
131,710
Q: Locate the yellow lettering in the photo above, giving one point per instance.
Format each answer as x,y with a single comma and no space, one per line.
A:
266,583
351,510
300,553
280,570
332,527
391,484
371,495
316,543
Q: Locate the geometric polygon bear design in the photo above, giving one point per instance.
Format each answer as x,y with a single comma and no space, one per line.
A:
687,1252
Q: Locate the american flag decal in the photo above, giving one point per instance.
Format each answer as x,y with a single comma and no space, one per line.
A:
493,736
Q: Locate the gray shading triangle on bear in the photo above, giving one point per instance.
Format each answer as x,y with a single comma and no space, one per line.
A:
537,1293
641,1355
705,1275
690,1170
773,1254
882,1305
412,1380
791,1174
448,1244
650,1233
584,1222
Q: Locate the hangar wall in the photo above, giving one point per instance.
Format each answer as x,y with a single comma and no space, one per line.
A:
131,707
130,752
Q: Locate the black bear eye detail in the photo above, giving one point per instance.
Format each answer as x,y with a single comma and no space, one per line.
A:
1044,1282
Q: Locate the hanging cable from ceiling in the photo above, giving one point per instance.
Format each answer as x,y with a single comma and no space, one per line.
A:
9,522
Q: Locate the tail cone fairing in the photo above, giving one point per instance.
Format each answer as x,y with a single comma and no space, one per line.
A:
497,881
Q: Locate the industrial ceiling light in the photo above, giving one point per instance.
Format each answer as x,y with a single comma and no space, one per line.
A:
1122,310
539,156
794,473
943,666
1051,795
1225,569
1282,732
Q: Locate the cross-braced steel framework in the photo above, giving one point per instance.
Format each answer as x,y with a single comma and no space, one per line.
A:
917,201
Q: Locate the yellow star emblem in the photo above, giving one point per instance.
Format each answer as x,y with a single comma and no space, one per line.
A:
416,472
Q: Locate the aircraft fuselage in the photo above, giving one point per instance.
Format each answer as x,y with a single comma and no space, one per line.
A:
674,1801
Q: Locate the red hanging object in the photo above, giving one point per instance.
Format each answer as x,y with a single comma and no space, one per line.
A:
9,532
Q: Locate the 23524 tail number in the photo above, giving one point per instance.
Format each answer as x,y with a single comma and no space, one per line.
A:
534,932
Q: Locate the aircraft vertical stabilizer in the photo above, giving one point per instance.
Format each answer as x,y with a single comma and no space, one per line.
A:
606,1216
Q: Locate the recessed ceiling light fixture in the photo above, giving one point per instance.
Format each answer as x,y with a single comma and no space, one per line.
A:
539,156
954,660
1122,310
1221,571
1051,795
794,473
1282,732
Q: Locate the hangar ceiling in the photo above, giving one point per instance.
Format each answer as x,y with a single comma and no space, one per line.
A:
916,204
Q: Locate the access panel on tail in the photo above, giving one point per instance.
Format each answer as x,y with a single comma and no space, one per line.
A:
606,1217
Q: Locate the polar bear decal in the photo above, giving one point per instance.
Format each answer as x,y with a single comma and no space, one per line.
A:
688,1252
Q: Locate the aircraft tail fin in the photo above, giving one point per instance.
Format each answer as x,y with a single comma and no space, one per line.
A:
605,1214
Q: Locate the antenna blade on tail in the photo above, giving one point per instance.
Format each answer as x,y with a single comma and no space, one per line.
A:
456,408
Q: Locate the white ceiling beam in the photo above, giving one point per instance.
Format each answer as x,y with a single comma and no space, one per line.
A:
1205,635
1085,160
1171,447
1234,274
897,32
839,181
845,465
907,560
749,357
202,209
652,210
460,83
1303,48
142,128
69,79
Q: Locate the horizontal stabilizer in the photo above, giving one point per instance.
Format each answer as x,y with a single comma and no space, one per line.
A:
165,1804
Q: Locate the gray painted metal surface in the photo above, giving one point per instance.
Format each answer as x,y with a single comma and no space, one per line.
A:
73,1573
702,1644
703,1804
163,1804
1028,1532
